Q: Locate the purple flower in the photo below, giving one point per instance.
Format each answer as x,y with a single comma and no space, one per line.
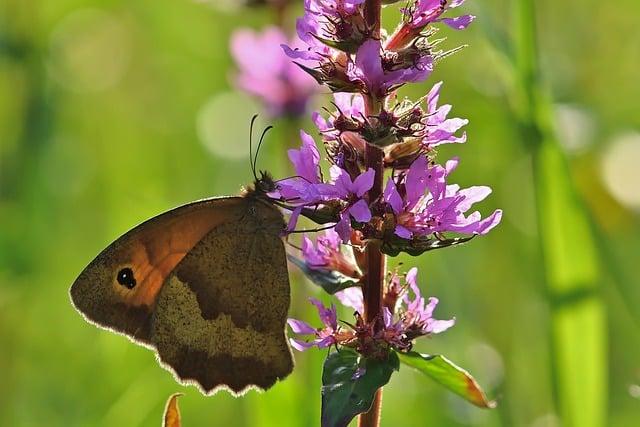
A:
339,23
326,254
440,130
322,337
352,192
302,189
378,81
425,12
442,209
352,297
351,113
413,317
417,318
265,72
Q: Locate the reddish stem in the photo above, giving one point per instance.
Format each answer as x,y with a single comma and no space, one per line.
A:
374,258
372,418
372,12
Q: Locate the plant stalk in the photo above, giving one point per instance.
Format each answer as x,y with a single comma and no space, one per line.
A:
375,259
569,250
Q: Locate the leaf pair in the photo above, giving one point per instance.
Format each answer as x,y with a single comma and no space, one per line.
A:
350,382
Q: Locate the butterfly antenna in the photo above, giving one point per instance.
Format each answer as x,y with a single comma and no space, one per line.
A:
255,158
251,162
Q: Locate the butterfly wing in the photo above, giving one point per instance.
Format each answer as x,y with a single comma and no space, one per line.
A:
206,285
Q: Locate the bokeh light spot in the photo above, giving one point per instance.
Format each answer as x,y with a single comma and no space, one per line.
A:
575,127
223,123
620,171
89,51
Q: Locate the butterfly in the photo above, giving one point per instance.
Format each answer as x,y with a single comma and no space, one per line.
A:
205,285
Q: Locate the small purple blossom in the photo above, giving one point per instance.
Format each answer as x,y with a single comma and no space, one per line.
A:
337,21
425,12
326,254
440,210
322,337
440,130
418,317
265,72
408,318
350,110
301,190
378,81
352,192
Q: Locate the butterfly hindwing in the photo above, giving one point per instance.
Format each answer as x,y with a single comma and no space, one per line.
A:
233,288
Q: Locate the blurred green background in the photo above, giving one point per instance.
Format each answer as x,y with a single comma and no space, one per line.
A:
113,111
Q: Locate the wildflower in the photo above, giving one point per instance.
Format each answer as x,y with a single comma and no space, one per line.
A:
425,12
301,190
325,64
325,254
442,209
323,337
439,129
405,320
349,117
380,78
265,72
351,192
422,13
337,23
417,318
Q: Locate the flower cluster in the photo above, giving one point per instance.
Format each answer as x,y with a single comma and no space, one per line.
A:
381,189
417,203
265,72
405,318
417,200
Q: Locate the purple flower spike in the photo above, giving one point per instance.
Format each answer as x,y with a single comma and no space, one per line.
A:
265,72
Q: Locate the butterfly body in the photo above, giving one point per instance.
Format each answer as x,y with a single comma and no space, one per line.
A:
205,285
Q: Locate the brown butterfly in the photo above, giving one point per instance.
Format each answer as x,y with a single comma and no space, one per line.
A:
205,285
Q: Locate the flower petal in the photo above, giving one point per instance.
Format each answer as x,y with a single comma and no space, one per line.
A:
300,345
459,22
352,297
392,197
363,182
301,327
360,211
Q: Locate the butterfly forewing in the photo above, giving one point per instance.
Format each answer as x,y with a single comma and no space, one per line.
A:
205,284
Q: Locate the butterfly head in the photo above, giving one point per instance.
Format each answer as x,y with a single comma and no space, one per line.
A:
262,187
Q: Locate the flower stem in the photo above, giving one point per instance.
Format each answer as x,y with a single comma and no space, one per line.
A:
375,259
372,418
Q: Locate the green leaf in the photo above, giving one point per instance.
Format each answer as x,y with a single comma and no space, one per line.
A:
446,373
330,281
343,395
418,245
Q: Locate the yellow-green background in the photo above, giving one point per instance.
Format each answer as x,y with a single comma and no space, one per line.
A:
113,111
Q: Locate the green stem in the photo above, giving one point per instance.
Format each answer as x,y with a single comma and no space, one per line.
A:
567,247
